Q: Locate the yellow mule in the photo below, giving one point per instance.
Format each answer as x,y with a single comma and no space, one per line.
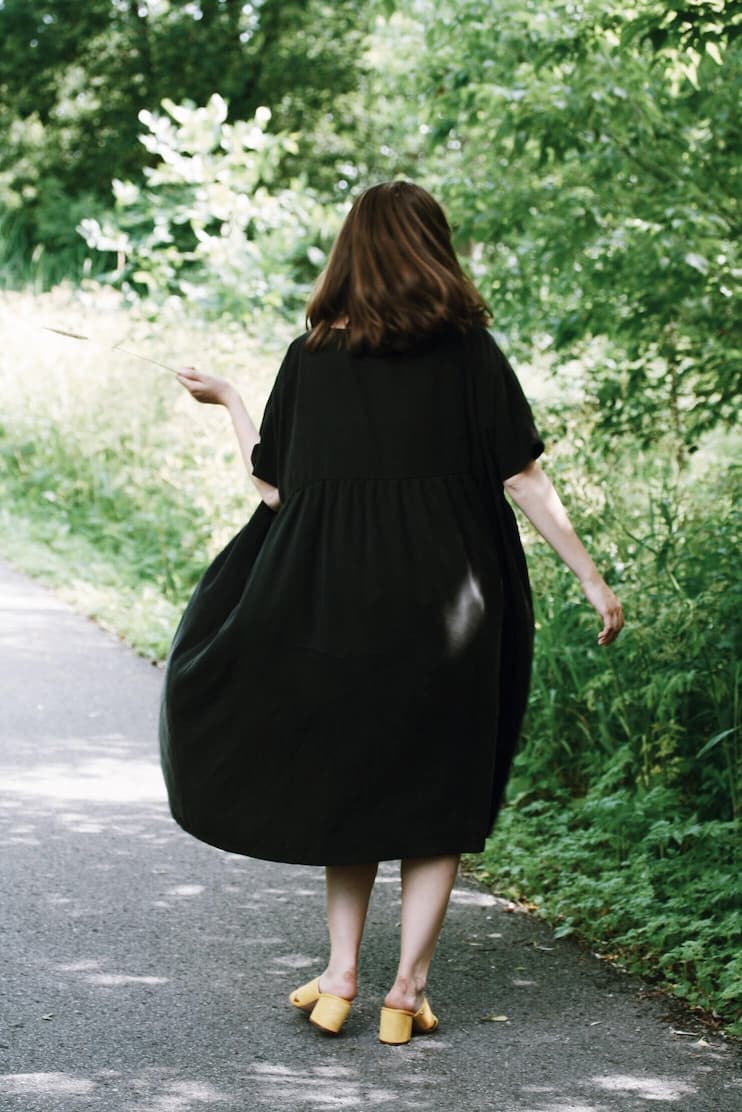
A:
328,1012
397,1024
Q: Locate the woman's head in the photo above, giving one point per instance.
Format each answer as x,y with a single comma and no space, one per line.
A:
393,273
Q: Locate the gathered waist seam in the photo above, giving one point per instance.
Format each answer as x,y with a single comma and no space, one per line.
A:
378,478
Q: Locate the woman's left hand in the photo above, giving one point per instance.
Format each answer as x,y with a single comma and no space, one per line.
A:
205,388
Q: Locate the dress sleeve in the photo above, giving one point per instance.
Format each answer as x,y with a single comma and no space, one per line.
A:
513,435
267,454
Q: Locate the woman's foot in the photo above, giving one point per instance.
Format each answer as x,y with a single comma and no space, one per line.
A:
405,994
343,983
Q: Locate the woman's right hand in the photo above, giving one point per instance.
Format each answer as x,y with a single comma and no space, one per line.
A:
601,597
205,388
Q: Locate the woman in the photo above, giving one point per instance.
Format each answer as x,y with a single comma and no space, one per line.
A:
348,680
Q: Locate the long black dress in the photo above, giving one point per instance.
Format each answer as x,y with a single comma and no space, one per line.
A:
348,679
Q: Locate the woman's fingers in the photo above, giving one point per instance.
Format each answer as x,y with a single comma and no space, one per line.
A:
613,622
601,598
191,375
188,376
204,388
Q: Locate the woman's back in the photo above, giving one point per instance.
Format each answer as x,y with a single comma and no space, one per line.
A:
392,415
366,436
381,544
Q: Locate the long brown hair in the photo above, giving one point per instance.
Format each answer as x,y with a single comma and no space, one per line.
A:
393,272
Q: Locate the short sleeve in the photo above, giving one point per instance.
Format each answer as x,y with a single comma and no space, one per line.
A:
513,435
266,455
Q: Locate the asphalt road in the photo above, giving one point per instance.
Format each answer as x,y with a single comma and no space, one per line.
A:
145,971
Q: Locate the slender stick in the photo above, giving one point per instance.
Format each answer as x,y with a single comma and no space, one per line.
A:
74,335
111,347
127,351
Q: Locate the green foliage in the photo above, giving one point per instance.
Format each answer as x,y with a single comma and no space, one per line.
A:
623,816
655,889
213,223
71,89
110,463
663,705
124,507
25,266
591,152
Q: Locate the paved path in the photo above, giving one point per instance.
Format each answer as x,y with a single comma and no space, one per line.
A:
146,971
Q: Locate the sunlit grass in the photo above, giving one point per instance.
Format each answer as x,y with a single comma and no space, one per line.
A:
117,487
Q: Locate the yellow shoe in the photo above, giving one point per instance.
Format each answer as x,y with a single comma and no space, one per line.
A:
328,1012
306,996
397,1025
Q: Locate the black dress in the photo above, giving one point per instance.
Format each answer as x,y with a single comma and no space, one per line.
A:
348,679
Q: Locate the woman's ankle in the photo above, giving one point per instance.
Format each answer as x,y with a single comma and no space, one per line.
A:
407,991
341,980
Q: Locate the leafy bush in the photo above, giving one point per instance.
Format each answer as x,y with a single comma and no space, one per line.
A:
71,90
662,705
654,889
214,225
624,802
591,160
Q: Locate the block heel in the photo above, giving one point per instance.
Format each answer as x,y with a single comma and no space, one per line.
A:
327,1011
330,1012
397,1025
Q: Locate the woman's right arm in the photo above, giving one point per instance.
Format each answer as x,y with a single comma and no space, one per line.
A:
218,391
247,438
533,493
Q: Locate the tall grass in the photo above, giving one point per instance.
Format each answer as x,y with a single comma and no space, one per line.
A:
29,267
103,454
624,804
667,693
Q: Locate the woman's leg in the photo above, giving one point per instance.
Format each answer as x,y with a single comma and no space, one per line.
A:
348,893
426,888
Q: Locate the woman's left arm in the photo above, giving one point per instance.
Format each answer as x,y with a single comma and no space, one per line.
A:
218,391
532,491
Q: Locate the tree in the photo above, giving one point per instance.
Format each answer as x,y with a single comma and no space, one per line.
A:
589,148
71,88
214,225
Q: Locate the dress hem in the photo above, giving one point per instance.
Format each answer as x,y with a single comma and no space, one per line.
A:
472,844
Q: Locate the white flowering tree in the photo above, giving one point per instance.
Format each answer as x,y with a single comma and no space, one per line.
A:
214,222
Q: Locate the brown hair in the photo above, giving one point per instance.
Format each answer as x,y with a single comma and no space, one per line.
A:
393,272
